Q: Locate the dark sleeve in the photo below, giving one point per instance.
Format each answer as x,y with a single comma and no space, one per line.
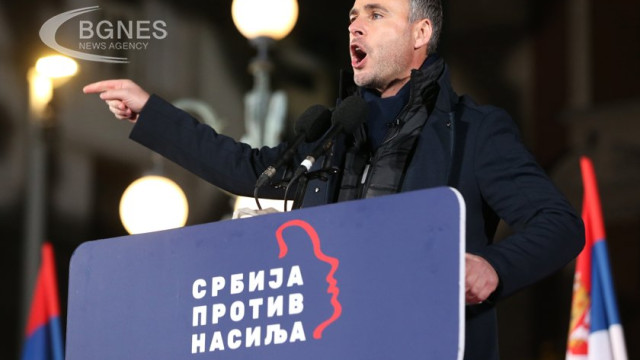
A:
219,159
547,231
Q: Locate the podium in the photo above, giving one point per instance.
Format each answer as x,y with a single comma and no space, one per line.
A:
370,279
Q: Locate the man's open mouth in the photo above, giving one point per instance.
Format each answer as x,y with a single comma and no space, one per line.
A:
358,55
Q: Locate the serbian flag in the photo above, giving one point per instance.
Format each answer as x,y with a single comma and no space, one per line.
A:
595,331
43,333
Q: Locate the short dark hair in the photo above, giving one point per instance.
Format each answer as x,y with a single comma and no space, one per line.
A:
428,9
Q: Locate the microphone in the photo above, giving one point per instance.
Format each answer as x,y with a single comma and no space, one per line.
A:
309,127
347,117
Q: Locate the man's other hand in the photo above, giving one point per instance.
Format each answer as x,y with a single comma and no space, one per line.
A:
481,279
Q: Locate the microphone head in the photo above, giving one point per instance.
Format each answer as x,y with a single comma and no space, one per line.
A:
314,122
350,113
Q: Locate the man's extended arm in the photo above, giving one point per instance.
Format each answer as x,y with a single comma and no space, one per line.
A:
173,133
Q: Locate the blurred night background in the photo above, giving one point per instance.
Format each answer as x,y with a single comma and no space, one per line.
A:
566,70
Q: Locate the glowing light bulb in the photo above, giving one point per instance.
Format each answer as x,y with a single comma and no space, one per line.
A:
153,203
271,18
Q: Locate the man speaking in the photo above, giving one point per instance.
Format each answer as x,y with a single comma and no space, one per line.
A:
418,133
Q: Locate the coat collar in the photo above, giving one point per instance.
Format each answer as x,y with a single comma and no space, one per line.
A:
445,102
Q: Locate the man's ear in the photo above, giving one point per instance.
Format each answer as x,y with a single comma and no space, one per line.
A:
422,30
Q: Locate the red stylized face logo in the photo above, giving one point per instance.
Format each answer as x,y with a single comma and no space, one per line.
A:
332,289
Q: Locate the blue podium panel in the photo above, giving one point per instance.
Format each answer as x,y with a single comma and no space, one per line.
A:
370,279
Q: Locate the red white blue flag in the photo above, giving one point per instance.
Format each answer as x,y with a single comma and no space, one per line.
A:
595,331
43,333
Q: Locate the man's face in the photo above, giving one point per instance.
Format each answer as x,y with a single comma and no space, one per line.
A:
381,43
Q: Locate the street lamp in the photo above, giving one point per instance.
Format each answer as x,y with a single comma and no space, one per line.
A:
263,22
48,73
